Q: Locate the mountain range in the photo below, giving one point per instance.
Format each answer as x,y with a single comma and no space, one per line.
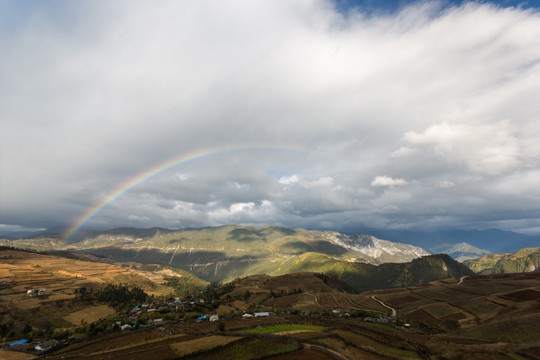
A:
461,251
446,241
492,240
228,252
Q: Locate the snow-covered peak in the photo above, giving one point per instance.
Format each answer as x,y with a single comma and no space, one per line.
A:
376,248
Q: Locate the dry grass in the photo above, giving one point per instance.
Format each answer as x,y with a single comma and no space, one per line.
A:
240,305
204,343
89,314
14,355
32,270
295,332
440,310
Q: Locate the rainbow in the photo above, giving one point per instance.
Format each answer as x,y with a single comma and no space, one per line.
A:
158,169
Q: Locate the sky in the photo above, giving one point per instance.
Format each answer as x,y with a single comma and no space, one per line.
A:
310,113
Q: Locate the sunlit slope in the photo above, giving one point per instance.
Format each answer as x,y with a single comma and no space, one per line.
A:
524,260
367,276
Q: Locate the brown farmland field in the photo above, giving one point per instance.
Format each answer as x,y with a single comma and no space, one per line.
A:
448,319
522,295
13,355
60,277
89,314
203,343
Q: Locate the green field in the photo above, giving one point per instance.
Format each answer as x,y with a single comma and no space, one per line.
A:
253,349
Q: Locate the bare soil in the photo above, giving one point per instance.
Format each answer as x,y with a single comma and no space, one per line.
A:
304,354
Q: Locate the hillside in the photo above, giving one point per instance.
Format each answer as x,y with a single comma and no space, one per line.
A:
362,277
61,278
524,260
227,252
470,316
286,288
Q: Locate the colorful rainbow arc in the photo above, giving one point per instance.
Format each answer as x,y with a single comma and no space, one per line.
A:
160,168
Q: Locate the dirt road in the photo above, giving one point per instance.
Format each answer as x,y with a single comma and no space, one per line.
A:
394,312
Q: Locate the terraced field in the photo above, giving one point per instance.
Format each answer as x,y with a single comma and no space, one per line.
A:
282,328
60,277
449,319
474,306
334,339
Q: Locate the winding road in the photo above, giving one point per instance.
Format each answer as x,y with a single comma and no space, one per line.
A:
394,312
461,279
316,300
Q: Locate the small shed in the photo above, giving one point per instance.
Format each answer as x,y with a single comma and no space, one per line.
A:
46,345
22,341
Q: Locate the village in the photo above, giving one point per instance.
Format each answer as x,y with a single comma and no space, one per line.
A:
161,313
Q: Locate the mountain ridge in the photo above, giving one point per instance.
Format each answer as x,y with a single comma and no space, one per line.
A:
461,251
524,260
235,239
493,240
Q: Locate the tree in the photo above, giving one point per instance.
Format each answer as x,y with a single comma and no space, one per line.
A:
27,329
3,330
221,326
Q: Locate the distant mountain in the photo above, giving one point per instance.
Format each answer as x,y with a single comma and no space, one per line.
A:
524,260
383,250
230,242
493,240
460,251
82,235
229,252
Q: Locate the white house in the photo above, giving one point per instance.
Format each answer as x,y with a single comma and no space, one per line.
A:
47,345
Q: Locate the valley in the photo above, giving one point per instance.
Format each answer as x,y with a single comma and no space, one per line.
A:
258,292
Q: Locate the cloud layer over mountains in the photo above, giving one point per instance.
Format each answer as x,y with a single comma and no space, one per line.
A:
424,118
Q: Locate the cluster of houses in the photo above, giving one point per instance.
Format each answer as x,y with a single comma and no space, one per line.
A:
40,347
257,314
37,292
6,284
163,307
385,320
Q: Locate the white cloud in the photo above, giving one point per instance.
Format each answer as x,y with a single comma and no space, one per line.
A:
486,148
325,181
288,180
14,228
402,151
445,184
241,207
387,181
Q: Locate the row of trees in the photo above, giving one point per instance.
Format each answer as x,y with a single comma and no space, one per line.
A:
118,296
